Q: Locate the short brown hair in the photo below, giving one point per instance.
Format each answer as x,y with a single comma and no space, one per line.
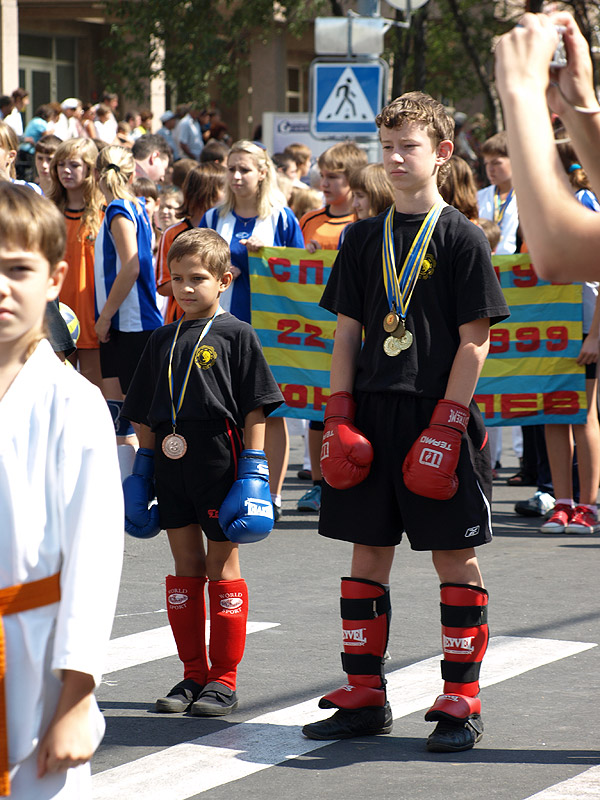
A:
344,157
32,222
205,244
420,107
496,145
301,153
201,188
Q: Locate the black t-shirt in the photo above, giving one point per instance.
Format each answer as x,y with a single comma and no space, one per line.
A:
457,285
229,377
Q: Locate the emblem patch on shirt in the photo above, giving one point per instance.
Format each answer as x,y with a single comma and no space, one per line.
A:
428,267
205,356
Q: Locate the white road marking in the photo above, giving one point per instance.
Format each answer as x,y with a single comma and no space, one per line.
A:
582,786
187,769
140,648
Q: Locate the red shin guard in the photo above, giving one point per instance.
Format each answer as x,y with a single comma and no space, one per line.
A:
464,641
228,617
366,613
186,610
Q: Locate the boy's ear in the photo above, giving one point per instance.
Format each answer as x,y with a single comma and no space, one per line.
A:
56,280
226,280
444,150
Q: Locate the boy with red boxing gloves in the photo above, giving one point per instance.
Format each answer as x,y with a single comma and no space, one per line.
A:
404,448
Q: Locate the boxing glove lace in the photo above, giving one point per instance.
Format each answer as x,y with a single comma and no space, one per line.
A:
346,455
429,469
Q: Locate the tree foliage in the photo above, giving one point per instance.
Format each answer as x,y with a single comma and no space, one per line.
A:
192,44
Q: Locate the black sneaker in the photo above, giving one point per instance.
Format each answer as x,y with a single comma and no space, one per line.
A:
346,724
215,700
452,737
181,696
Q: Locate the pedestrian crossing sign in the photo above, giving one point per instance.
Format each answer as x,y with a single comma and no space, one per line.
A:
346,97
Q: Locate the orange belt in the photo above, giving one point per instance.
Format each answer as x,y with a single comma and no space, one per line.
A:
13,600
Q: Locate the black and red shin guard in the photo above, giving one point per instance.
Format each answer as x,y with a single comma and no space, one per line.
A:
186,610
366,613
464,642
228,616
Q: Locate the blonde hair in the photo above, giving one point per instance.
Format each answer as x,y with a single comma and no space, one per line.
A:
268,196
116,166
9,141
344,157
92,198
304,200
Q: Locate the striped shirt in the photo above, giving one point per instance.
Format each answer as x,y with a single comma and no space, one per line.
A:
138,312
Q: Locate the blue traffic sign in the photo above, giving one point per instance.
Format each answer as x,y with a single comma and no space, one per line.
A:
346,97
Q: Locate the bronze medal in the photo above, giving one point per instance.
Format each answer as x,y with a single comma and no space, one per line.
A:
391,346
391,322
174,446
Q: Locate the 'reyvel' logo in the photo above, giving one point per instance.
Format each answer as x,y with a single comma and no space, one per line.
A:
458,645
355,637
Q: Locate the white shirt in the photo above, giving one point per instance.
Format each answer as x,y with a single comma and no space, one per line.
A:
61,506
188,132
509,222
15,120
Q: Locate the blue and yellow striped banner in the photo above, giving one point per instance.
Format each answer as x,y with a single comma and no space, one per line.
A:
530,377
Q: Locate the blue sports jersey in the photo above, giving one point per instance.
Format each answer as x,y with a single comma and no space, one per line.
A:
279,229
138,312
588,199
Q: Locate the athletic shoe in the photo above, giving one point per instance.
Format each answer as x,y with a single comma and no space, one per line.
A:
181,696
345,724
311,501
582,521
561,516
452,737
537,506
276,512
216,700
304,475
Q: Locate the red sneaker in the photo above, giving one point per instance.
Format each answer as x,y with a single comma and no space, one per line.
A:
582,521
561,517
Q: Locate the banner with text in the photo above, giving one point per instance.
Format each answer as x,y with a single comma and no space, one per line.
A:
530,376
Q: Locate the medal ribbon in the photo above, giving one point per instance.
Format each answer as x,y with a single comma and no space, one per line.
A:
205,330
399,289
500,208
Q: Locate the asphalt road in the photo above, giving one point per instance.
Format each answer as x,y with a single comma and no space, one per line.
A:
541,676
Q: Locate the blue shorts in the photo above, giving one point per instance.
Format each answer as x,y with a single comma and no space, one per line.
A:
380,509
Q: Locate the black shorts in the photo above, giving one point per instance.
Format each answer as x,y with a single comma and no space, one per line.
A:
190,490
120,355
381,508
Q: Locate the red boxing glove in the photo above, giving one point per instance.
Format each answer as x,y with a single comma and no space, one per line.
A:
346,455
429,469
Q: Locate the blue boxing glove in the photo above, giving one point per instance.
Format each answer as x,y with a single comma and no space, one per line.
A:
246,514
141,521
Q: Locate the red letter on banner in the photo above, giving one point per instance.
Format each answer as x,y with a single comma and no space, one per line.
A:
305,265
487,401
321,398
284,276
295,395
519,405
561,403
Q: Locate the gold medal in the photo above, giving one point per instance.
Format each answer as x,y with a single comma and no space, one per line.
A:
174,446
404,342
391,346
391,322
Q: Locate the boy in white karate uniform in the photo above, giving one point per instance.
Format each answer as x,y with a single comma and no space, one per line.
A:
62,523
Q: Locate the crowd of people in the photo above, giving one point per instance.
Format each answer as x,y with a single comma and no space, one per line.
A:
128,250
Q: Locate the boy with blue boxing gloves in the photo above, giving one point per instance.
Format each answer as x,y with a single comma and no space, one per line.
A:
201,392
